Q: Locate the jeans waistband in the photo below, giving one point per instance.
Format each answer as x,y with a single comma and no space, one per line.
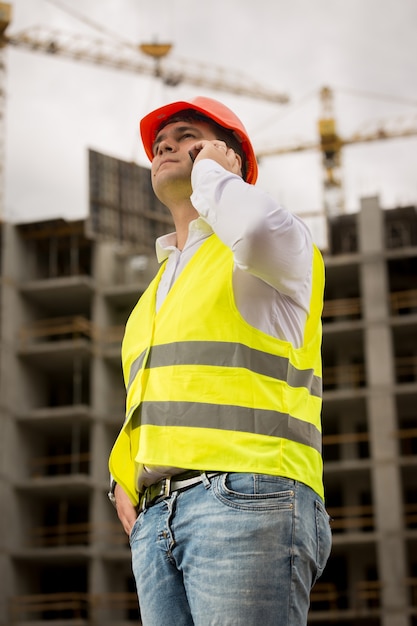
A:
165,487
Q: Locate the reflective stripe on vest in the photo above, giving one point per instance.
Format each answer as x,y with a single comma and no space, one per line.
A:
229,417
226,354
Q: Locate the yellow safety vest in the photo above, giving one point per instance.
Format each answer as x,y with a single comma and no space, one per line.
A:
208,391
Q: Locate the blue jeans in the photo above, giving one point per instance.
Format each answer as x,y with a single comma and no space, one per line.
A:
240,549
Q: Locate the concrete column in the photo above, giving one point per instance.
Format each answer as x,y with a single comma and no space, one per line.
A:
379,358
9,390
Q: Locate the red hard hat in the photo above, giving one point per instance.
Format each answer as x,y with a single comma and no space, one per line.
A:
213,109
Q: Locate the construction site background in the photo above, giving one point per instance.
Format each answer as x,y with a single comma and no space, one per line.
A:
65,296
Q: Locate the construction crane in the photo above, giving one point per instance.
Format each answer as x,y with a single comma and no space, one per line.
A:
5,14
151,59
330,144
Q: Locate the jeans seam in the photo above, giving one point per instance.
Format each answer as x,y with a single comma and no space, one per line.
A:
292,593
321,516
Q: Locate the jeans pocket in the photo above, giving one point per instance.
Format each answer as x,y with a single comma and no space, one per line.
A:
254,492
324,538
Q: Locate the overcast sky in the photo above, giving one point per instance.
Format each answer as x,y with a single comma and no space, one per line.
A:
57,108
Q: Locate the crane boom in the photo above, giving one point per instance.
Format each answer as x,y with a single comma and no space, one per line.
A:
380,133
114,54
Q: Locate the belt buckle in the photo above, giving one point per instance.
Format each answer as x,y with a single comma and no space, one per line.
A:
166,490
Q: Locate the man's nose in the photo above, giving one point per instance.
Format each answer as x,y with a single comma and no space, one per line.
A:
166,146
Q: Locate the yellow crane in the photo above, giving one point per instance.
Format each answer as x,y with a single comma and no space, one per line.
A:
330,144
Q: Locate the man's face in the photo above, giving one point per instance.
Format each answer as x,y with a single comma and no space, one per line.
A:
172,164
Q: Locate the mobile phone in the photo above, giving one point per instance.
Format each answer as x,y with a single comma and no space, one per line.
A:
193,153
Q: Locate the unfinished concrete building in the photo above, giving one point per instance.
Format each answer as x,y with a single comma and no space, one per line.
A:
65,297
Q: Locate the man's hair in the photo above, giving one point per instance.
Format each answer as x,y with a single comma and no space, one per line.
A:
230,138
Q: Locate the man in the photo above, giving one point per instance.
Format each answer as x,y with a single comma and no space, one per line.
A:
217,469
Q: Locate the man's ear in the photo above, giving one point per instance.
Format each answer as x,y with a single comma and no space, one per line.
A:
239,158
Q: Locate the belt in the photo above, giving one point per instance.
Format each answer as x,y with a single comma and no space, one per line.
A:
165,487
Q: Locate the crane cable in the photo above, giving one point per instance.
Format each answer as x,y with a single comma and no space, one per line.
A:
288,111
377,96
91,23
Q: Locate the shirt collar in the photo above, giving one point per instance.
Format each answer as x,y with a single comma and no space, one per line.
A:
198,229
